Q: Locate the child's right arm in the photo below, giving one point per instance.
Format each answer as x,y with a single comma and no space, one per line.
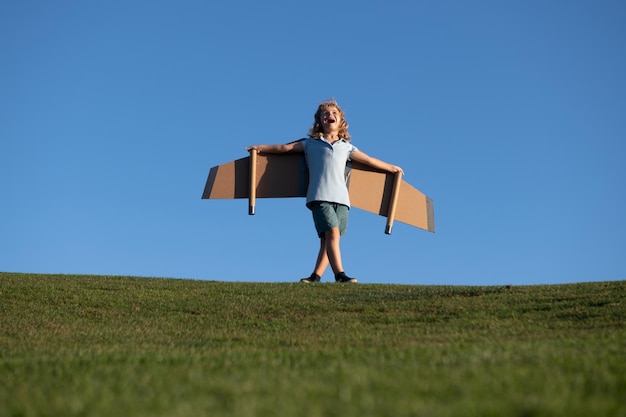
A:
282,148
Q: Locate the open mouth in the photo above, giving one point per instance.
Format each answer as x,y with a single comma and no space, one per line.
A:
330,120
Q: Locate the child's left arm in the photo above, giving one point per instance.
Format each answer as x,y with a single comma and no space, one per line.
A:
364,158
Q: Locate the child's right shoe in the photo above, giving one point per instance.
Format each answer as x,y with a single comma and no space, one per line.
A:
313,278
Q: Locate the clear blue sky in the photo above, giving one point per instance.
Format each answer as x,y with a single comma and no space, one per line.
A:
510,115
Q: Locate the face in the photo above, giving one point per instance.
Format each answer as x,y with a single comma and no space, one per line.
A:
330,118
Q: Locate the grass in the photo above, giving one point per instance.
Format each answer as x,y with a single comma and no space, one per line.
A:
109,346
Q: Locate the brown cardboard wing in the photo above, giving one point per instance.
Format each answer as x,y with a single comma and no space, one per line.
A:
285,175
372,191
277,176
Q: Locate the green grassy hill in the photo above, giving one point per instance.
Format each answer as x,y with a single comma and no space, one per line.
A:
123,346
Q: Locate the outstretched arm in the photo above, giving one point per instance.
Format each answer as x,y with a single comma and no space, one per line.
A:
364,158
282,148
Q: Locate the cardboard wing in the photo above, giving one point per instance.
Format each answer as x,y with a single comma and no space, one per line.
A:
286,175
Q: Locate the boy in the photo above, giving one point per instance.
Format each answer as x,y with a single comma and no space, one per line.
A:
327,150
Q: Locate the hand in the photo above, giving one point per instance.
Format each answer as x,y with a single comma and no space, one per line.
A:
395,169
253,147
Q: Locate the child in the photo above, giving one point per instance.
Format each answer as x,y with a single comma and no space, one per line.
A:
327,150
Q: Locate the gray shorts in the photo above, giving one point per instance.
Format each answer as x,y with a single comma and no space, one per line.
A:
328,215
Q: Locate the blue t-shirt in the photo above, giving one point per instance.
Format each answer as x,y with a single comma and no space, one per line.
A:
327,170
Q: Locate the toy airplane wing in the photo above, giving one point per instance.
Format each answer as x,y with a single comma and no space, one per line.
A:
286,175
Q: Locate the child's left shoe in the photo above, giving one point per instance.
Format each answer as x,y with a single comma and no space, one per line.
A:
342,277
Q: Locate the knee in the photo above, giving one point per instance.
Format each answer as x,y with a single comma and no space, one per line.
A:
332,234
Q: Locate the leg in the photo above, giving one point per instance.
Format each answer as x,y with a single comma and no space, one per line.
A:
320,265
334,255
332,249
330,223
322,258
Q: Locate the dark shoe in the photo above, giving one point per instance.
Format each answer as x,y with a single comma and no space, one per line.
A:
313,278
342,277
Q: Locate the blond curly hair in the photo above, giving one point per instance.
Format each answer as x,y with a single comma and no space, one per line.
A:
317,130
